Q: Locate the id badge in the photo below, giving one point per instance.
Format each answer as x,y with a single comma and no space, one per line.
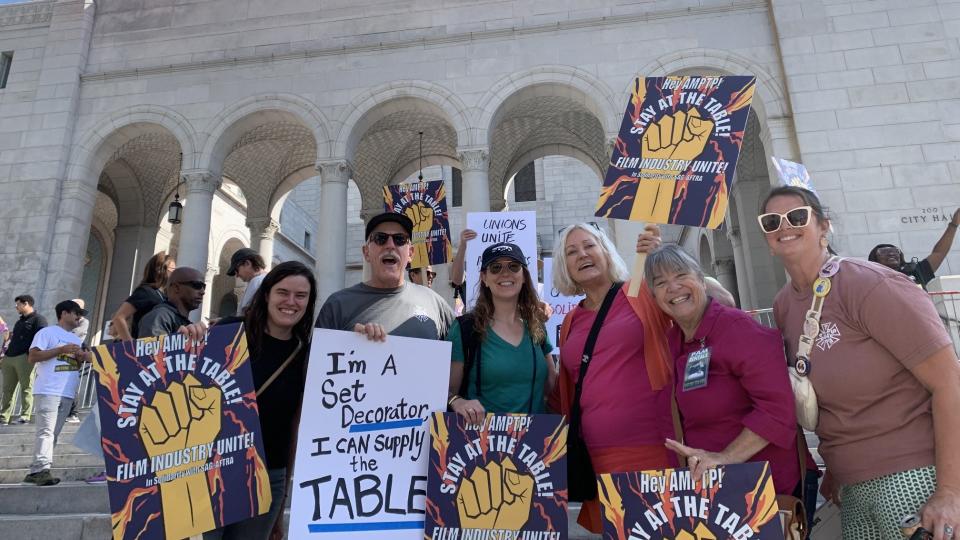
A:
698,365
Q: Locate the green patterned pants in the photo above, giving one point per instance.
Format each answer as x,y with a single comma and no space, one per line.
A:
872,510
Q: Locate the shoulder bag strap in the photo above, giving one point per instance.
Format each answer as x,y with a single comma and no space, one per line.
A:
283,366
588,353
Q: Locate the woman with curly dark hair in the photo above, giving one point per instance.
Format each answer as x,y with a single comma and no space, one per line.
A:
500,350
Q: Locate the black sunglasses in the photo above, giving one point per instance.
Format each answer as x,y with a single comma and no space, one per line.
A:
198,285
380,238
497,267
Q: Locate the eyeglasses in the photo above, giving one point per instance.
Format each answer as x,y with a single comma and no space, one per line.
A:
380,238
593,224
772,221
197,285
497,267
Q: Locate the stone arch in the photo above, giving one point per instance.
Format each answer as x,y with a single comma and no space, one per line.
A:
579,84
384,139
229,125
357,118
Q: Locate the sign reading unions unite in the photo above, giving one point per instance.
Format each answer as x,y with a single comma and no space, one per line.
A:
518,228
362,447
180,435
731,502
676,153
425,203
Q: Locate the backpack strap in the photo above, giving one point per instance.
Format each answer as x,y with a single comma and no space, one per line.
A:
471,353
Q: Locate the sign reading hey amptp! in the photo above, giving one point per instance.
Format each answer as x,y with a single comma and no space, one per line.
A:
180,434
425,203
363,449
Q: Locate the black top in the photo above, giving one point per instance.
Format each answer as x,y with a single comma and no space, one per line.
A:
21,338
143,299
920,272
162,319
278,404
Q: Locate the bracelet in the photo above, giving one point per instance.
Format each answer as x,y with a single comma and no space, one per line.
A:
452,399
952,224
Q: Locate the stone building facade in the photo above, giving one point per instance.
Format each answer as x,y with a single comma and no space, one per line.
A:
278,122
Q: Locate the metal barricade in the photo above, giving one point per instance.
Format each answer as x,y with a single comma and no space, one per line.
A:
763,316
948,307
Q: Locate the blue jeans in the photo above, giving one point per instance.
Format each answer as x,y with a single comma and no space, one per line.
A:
257,528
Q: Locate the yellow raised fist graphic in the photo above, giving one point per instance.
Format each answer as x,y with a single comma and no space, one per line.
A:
495,496
422,217
682,136
183,417
700,533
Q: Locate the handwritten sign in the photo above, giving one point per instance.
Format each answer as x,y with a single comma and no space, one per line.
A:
732,502
425,203
518,228
676,153
180,434
560,304
363,450
505,478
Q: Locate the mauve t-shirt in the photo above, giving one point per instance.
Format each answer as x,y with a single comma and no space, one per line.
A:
619,408
875,416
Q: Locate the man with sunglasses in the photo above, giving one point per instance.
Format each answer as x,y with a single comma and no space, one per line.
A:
921,272
386,303
422,276
185,289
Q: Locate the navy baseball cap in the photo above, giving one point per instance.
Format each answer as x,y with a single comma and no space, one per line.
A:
389,217
503,250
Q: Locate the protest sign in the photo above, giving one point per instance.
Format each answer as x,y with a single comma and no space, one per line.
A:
560,304
730,502
180,434
363,448
792,173
676,153
518,228
506,478
425,203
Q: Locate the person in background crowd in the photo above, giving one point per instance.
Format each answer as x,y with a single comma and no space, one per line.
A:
278,330
500,349
416,275
458,268
126,320
57,352
17,369
386,303
921,272
81,331
734,407
4,336
250,267
185,290
885,373
629,376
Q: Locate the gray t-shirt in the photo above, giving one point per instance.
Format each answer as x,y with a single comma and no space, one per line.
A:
410,310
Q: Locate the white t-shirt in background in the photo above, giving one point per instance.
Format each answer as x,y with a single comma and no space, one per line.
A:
57,376
248,293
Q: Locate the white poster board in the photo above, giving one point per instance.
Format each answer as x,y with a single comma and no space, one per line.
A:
518,228
560,304
363,444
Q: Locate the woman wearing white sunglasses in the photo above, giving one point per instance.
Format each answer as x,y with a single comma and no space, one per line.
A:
885,373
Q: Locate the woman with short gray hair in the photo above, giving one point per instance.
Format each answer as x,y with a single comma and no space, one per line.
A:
730,382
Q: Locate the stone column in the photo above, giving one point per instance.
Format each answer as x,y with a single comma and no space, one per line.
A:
725,270
126,268
195,229
262,233
147,244
71,232
331,242
475,166
210,272
744,286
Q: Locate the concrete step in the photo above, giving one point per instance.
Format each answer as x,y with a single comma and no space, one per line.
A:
64,460
29,437
59,526
26,449
31,428
64,498
15,476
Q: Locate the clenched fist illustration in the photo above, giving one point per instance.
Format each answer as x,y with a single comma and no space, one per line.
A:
183,416
681,135
700,533
495,496
422,217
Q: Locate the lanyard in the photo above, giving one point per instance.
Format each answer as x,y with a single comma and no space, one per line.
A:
811,321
